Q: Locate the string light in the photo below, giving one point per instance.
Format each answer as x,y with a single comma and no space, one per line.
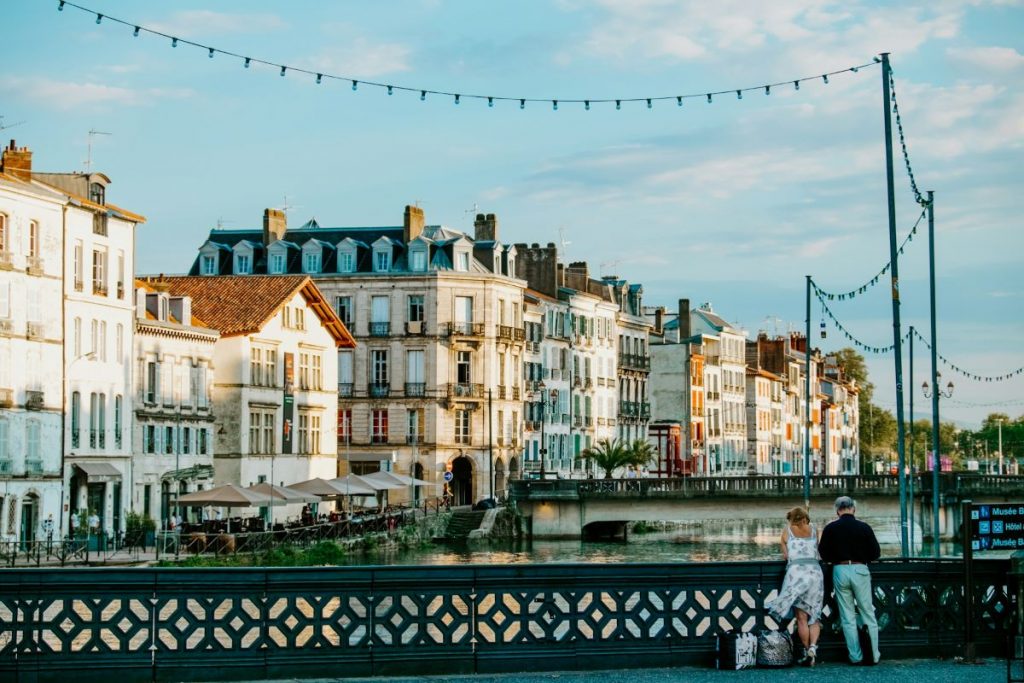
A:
971,375
319,78
877,278
846,333
283,69
490,101
457,99
648,100
390,91
355,85
135,33
554,105
918,197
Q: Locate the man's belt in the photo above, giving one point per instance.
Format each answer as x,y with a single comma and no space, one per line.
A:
850,562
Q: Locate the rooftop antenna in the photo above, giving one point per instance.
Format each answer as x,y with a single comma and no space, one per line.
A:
88,159
563,243
774,320
286,207
221,222
609,264
5,126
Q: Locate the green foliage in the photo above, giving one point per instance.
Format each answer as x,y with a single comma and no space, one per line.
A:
610,455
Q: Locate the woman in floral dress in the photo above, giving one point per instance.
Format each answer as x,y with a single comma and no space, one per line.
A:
803,588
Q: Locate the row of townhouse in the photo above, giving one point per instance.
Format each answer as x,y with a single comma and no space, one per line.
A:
742,403
461,340
115,394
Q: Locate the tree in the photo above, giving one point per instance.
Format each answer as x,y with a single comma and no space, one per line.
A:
874,430
610,455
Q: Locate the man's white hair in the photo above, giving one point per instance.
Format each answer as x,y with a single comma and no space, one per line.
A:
845,503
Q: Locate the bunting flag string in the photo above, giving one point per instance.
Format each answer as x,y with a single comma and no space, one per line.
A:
991,404
877,278
971,375
391,88
918,197
846,333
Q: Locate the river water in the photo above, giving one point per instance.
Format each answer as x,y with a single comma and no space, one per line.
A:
718,541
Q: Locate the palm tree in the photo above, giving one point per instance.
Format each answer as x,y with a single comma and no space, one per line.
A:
642,452
609,455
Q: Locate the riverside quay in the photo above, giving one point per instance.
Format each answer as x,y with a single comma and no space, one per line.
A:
179,624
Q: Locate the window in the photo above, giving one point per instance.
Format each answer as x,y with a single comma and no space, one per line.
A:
97,193
277,263
344,425
208,265
343,306
152,382
345,373
93,415
33,454
101,421
414,426
3,233
33,239
243,264
103,341
119,343
261,431
79,266
381,261
418,260
5,300
380,309
317,372
379,425
463,365
414,366
463,421
415,308
99,272
256,366
120,277
4,452
311,263
118,419
304,383
186,440
203,448
149,439
379,366
309,433
76,419
462,261
168,439
347,262
463,310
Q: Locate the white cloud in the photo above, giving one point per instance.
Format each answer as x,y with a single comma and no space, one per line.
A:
361,58
189,23
70,95
997,59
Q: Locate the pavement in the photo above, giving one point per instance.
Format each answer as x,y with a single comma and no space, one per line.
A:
919,670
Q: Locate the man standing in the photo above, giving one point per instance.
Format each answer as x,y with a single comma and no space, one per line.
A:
848,544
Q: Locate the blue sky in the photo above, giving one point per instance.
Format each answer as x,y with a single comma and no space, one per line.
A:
732,202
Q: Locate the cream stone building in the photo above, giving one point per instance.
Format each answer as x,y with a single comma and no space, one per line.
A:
173,426
435,384
274,365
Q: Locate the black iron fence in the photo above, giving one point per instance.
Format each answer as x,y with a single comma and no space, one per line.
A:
248,623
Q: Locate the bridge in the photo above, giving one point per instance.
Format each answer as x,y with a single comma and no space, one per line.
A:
571,508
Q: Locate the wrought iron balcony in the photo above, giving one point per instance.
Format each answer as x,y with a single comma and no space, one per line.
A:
380,329
511,333
415,389
459,390
463,329
379,438
414,439
33,466
633,361
345,389
34,400
378,389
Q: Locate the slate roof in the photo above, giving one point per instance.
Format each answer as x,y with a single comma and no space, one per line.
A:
242,304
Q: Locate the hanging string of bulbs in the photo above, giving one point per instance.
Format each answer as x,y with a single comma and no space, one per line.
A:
971,375
877,278
918,197
391,88
827,312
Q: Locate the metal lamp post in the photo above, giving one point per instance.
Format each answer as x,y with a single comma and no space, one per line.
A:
936,460
542,388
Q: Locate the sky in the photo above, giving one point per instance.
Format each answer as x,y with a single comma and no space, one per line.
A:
732,202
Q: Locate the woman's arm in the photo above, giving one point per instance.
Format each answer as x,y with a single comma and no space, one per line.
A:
785,548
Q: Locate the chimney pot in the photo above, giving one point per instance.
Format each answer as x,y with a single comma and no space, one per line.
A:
17,162
275,225
413,223
485,227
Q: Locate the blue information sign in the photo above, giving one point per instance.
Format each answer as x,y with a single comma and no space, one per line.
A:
998,526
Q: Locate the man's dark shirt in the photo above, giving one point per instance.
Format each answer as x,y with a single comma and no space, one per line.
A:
848,538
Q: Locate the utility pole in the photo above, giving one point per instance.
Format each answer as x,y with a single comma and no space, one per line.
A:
807,401
937,461
490,443
910,481
894,272
1001,470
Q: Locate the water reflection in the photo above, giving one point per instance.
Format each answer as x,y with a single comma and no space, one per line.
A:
710,541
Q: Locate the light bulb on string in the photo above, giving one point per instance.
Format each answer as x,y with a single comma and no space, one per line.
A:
60,7
490,101
283,69
247,61
554,105
99,18
586,104
355,85
457,99
423,95
709,98
767,90
824,77
390,91
739,94
174,42
649,105
522,104
618,104
319,77
211,53
796,84
135,33
679,101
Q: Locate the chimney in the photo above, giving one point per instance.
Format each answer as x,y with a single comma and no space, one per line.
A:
684,319
485,227
659,319
413,223
577,276
17,162
275,225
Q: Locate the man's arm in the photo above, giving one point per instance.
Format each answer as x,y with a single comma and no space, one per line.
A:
825,548
871,546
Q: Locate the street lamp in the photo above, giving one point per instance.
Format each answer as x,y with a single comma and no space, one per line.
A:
934,395
542,389
1000,422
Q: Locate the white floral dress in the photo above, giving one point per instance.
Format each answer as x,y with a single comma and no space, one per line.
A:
804,585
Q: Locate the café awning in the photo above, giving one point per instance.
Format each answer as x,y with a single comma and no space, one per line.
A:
98,471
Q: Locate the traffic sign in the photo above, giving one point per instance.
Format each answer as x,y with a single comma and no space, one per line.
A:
448,476
997,527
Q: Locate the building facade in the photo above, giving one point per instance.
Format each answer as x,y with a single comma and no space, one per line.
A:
173,426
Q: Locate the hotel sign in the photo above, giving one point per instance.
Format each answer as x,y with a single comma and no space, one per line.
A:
998,526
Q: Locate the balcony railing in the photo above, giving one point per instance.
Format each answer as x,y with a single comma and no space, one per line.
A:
99,288
380,329
79,285
413,439
36,330
99,224
33,466
459,390
345,389
379,438
502,391
645,411
577,420
34,400
463,329
6,398
511,333
6,260
34,265
628,409
588,421
6,466
415,389
515,393
378,389
633,361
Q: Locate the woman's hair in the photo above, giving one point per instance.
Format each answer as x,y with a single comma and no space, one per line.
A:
797,515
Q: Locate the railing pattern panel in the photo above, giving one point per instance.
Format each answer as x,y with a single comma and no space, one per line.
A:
154,622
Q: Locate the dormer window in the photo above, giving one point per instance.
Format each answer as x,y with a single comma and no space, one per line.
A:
97,193
311,263
381,261
511,267
418,260
208,265
346,262
243,264
462,261
278,262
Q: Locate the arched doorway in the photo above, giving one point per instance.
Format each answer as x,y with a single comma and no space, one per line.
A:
462,481
29,519
499,478
513,468
417,491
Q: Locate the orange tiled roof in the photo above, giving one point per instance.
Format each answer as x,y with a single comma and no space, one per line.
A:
196,322
242,304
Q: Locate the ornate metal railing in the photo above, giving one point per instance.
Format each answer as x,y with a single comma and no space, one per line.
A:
258,623
953,486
